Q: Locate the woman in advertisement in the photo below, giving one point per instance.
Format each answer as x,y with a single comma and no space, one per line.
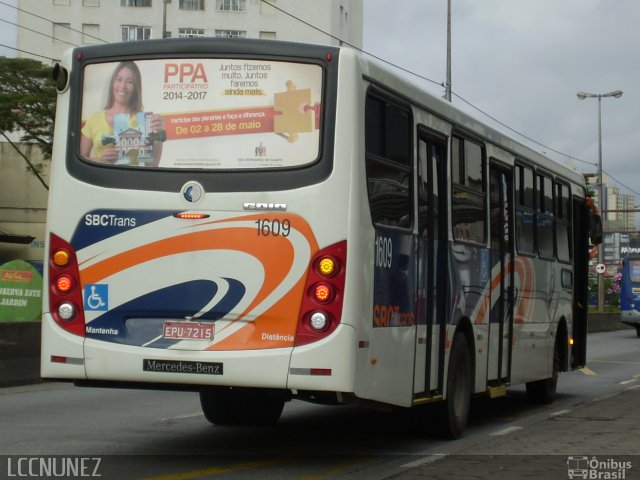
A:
123,133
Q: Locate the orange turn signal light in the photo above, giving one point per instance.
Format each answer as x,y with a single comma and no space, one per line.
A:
61,258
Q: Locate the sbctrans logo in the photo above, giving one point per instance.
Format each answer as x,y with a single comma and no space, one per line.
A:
596,468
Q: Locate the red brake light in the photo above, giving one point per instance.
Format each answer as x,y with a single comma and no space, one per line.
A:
65,296
321,308
191,216
64,284
322,292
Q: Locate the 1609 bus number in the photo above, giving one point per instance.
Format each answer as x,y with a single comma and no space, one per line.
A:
273,227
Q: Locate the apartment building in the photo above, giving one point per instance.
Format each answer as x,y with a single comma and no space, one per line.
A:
48,27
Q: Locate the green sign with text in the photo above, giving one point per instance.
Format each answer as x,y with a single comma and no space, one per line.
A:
20,292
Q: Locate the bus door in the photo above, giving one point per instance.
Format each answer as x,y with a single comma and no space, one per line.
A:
502,275
580,282
431,283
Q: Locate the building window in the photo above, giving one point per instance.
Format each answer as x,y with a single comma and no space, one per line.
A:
191,4
268,35
90,33
135,3
231,5
91,3
61,32
135,32
190,32
231,33
61,2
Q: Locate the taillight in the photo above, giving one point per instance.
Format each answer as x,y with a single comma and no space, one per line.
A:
65,293
321,309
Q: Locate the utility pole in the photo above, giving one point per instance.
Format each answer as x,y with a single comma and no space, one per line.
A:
164,18
447,93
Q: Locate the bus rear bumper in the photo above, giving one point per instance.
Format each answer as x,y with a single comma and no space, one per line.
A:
326,365
61,353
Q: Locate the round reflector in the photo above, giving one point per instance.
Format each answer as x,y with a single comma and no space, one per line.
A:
66,310
318,321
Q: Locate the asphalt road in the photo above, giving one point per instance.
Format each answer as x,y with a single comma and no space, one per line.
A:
149,434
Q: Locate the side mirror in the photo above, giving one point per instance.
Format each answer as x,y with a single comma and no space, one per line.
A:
60,76
595,229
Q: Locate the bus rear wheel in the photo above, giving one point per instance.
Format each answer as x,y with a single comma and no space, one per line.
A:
242,406
217,405
454,411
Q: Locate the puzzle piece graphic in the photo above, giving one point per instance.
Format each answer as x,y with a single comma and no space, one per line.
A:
291,113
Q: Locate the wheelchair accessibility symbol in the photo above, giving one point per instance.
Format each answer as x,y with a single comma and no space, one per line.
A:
96,297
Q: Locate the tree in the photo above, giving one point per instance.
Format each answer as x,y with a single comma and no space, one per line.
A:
27,102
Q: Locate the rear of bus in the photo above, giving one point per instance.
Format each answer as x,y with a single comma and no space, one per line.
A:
224,262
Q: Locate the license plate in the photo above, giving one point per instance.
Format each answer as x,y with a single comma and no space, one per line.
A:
188,330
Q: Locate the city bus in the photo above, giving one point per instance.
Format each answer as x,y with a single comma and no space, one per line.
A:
262,221
630,289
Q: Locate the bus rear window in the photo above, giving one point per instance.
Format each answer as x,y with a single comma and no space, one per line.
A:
214,114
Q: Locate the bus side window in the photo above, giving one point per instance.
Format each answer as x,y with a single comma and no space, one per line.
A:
468,202
388,162
524,210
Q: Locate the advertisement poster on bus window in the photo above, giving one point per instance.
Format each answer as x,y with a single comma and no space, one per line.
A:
201,113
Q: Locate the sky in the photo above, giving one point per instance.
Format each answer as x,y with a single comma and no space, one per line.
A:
8,17
522,62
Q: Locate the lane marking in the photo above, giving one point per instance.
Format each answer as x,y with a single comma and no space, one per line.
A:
505,431
559,412
216,470
181,417
425,460
626,382
336,470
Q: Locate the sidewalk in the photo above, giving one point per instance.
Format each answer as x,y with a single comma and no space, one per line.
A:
19,353
600,439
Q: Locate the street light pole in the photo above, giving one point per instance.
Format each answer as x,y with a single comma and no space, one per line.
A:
447,93
599,96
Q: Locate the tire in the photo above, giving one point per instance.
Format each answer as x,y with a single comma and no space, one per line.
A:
217,405
254,406
638,330
544,391
454,410
242,406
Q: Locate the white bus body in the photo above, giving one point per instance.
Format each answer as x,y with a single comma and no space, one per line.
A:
201,271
